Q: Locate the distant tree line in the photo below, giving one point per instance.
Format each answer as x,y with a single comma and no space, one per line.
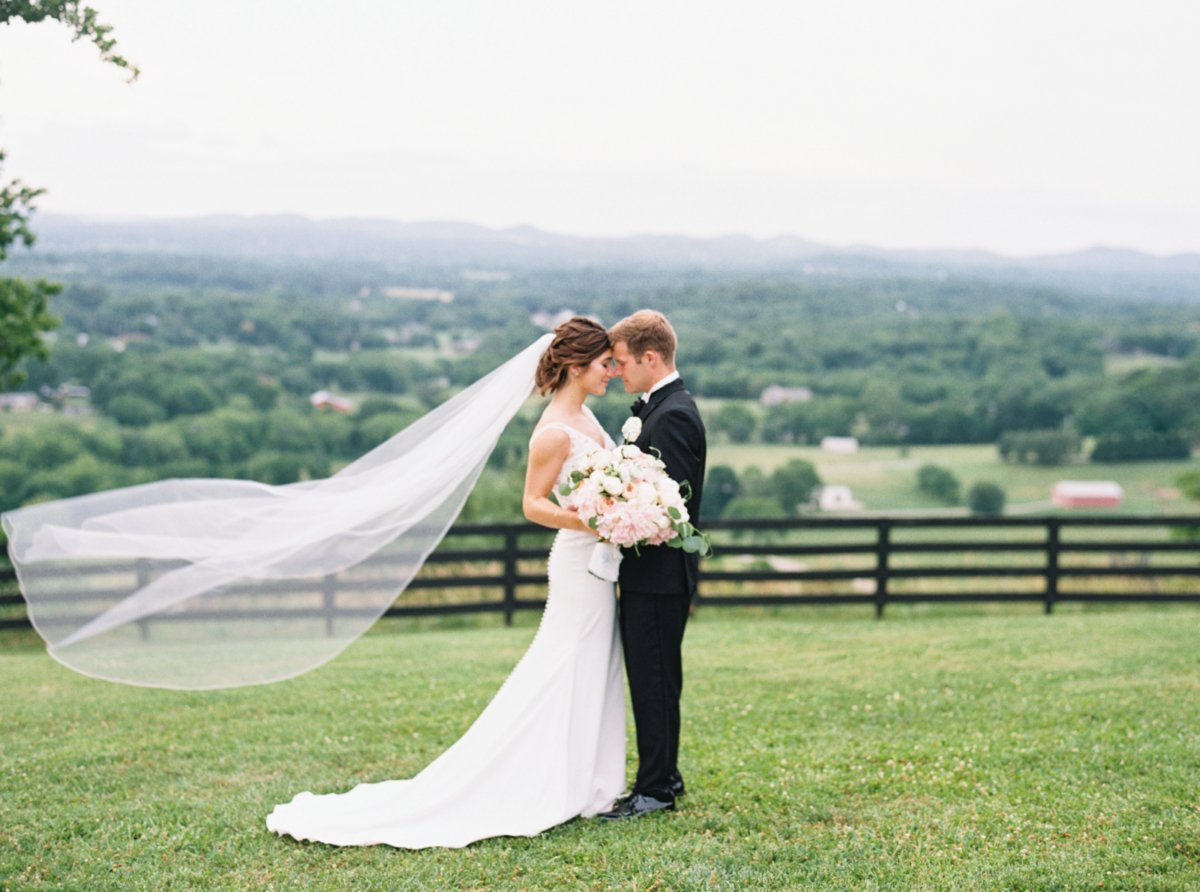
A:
201,367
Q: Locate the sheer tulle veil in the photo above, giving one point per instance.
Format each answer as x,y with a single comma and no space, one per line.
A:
197,584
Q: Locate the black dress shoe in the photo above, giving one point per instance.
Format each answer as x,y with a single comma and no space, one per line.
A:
635,805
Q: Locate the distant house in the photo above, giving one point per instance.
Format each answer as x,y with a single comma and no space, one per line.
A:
120,342
837,497
70,391
19,402
551,321
776,395
1087,494
434,294
323,399
843,445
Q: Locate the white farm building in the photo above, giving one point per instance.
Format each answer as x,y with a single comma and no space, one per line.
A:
837,497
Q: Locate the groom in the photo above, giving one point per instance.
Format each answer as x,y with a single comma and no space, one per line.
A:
657,584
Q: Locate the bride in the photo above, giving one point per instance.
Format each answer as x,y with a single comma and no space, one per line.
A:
551,744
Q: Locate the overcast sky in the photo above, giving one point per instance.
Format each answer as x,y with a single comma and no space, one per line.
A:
1019,127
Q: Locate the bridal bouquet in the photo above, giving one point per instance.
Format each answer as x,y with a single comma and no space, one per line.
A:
626,496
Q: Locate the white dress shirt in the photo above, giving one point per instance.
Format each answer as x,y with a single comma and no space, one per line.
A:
671,376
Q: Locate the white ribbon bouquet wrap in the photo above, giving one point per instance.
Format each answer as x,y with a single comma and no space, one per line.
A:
626,496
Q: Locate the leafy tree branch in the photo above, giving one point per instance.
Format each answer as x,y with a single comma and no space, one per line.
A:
82,20
24,306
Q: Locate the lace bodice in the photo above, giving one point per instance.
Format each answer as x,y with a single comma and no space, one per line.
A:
581,446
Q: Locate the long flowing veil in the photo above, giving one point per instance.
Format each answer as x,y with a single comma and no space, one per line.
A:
197,584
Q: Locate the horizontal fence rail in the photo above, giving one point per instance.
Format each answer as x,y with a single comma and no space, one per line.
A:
868,560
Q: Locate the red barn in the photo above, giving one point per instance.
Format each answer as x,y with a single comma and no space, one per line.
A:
1087,494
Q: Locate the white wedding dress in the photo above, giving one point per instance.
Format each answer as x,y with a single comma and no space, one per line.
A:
549,747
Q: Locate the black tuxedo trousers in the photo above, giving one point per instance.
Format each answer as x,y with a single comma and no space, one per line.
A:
652,636
657,585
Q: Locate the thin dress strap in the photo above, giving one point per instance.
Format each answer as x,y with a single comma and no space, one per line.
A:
556,425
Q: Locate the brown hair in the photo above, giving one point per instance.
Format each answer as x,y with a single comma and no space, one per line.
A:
576,343
646,330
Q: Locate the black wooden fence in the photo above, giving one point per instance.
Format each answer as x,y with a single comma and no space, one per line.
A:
867,560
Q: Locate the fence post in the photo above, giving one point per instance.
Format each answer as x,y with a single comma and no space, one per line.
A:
1052,543
143,580
882,549
510,575
328,601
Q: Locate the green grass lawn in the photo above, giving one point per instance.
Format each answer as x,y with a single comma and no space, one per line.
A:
885,478
941,749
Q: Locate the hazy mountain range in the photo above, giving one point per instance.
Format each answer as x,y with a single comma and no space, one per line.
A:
1114,271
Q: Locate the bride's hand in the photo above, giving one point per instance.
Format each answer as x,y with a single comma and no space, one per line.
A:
571,509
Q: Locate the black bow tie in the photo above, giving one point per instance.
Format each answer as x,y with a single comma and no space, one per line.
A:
638,407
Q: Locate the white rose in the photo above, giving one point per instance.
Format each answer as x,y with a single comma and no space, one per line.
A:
646,493
612,485
663,522
601,458
667,488
631,429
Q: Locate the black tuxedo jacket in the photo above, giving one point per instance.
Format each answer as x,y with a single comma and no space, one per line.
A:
673,430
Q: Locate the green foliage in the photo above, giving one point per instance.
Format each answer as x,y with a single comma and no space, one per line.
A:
721,486
189,396
792,484
277,468
222,438
938,483
380,427
1043,447
986,498
1140,446
134,410
1157,400
46,446
82,20
809,422
262,391
16,204
753,506
736,421
24,317
375,405
220,357
24,307
1189,483
512,449
152,447
497,496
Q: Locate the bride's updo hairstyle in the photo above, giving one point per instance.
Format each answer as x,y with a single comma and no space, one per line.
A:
576,343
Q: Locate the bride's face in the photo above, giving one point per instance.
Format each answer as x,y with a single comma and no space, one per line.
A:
594,377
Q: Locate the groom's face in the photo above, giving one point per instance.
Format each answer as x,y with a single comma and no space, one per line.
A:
633,371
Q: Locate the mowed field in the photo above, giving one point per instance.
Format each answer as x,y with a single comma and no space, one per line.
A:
884,479
823,751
